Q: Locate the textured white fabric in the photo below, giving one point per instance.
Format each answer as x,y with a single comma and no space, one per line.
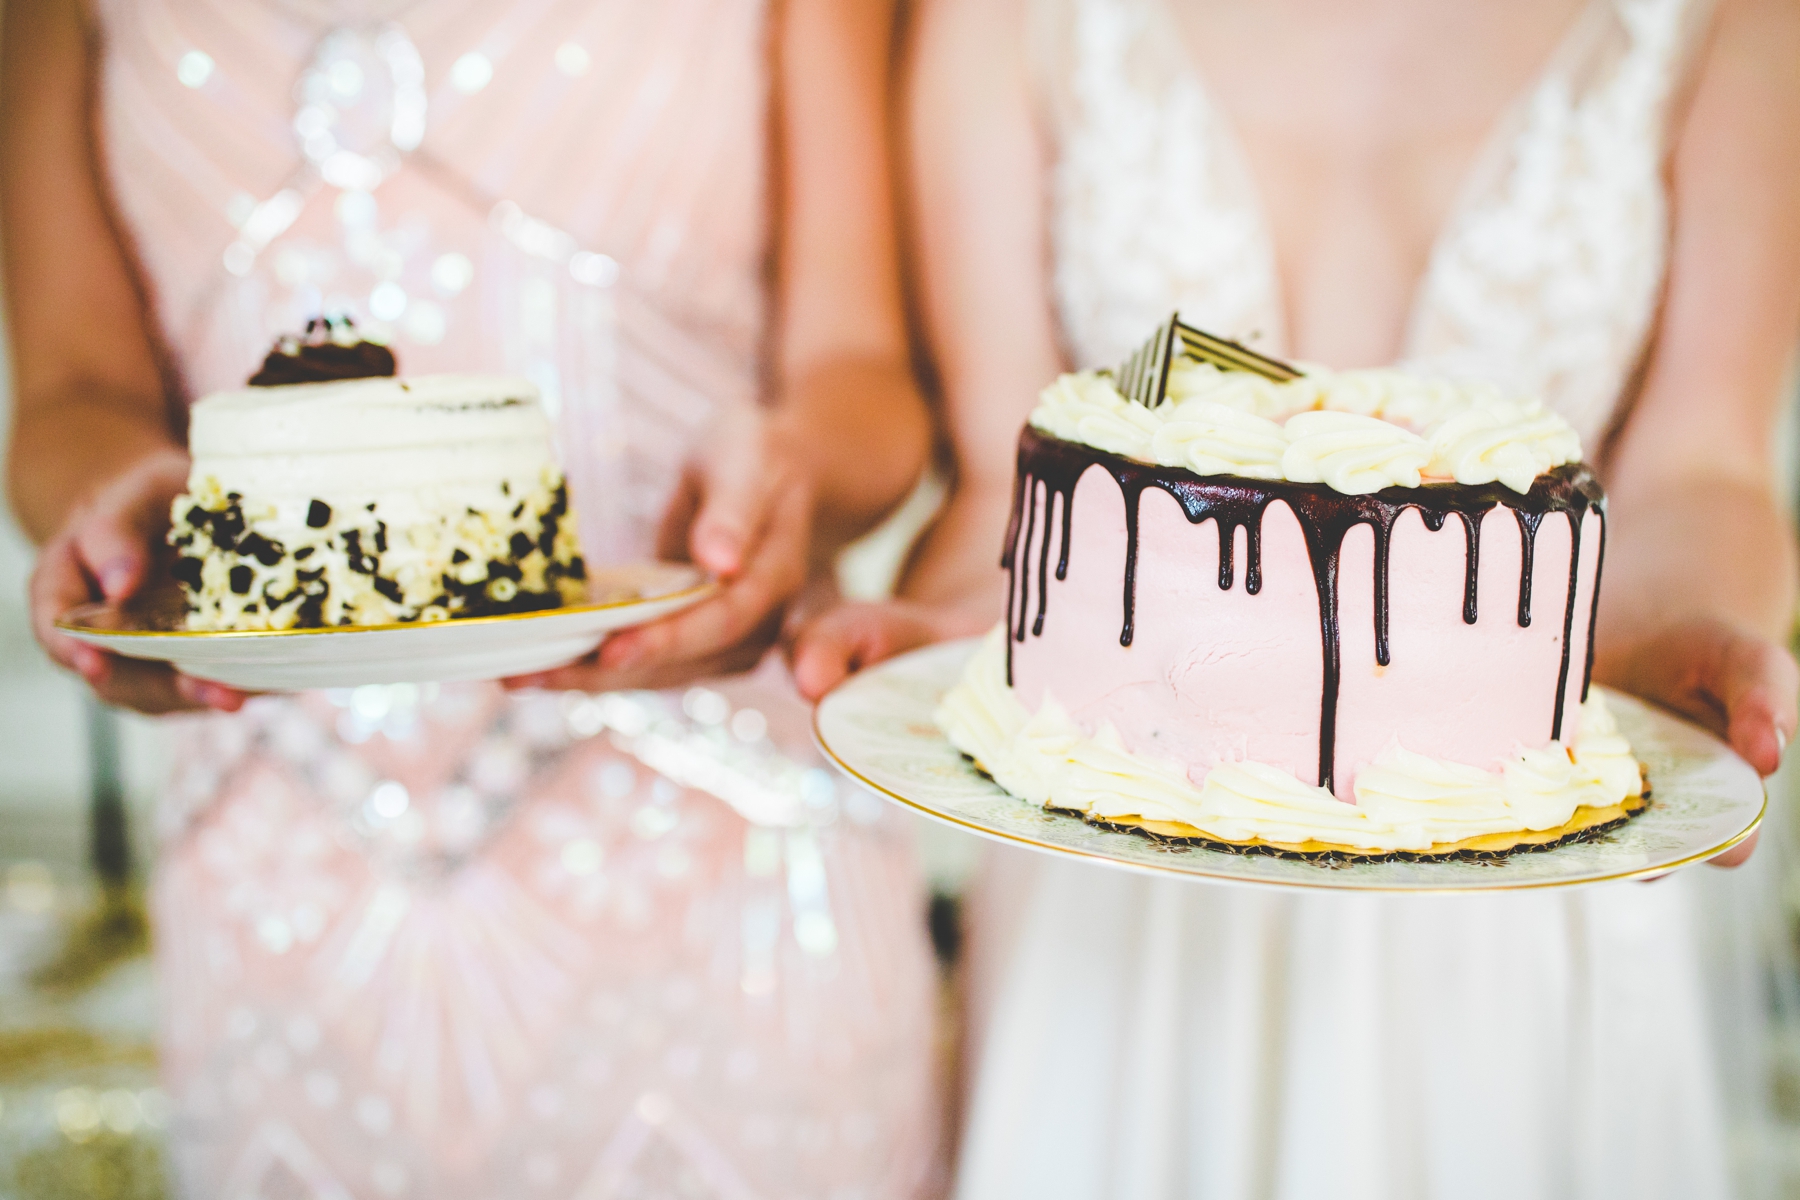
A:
1142,1038
1545,277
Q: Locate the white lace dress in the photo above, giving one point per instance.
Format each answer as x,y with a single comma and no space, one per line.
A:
1134,1037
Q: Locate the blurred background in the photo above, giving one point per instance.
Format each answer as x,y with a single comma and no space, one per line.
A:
80,1113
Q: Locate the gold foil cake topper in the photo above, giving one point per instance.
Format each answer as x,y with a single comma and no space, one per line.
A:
1144,377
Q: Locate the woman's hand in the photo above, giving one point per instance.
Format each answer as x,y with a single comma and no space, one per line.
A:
827,650
106,550
1739,685
1742,687
743,511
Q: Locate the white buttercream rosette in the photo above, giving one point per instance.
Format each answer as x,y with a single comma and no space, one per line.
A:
1355,431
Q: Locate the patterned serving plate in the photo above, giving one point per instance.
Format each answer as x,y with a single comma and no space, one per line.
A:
877,726
276,660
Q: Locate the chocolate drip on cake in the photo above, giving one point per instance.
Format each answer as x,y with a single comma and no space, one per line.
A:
1587,673
1472,531
1528,527
1326,518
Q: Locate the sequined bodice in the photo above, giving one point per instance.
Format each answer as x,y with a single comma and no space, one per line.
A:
572,193
1546,275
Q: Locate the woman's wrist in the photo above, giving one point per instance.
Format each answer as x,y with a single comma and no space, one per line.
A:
859,434
51,476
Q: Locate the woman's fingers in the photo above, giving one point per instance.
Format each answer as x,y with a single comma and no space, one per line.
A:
118,534
106,549
738,490
1738,855
728,492
1743,687
588,675
727,632
113,548
746,607
854,636
58,583
1760,688
1740,686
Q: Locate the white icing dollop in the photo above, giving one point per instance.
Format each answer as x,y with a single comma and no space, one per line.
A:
1512,441
1356,431
1087,408
1352,453
1404,801
1214,439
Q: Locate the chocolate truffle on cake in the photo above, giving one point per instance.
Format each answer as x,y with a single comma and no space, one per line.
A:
1382,644
333,493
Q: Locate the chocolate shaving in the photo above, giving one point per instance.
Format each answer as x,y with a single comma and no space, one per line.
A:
1144,377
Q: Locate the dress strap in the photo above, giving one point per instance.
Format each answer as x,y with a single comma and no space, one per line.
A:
1549,271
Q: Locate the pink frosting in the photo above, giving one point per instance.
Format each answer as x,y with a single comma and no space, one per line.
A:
1214,675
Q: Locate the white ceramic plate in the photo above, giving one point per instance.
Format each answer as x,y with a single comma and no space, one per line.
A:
877,726
352,655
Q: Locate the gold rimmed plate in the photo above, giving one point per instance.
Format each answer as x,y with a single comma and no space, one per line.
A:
877,726
269,660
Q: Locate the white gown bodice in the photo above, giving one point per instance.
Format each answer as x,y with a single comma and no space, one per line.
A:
1546,275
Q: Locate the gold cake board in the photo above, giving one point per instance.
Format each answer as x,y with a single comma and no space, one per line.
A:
1588,822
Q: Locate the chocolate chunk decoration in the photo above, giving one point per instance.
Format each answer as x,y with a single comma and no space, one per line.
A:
318,515
264,551
1049,467
187,570
326,352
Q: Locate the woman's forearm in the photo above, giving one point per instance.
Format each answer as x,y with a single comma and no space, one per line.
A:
1706,548
957,563
863,435
65,447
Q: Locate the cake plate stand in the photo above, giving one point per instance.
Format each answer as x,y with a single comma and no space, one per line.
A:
877,726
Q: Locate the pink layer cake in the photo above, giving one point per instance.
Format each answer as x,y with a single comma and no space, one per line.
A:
1374,634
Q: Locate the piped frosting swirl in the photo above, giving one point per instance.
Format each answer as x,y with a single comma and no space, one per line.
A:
1355,431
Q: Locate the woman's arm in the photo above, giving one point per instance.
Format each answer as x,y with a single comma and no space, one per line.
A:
82,349
848,433
95,456
981,258
1700,565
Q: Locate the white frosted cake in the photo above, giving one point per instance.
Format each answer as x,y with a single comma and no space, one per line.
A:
369,501
1300,611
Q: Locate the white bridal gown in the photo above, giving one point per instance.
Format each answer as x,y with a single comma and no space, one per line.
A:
1144,1038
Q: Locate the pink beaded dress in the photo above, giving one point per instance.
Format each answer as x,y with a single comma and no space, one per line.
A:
422,941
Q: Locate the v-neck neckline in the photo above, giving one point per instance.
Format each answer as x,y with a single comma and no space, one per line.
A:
1494,147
